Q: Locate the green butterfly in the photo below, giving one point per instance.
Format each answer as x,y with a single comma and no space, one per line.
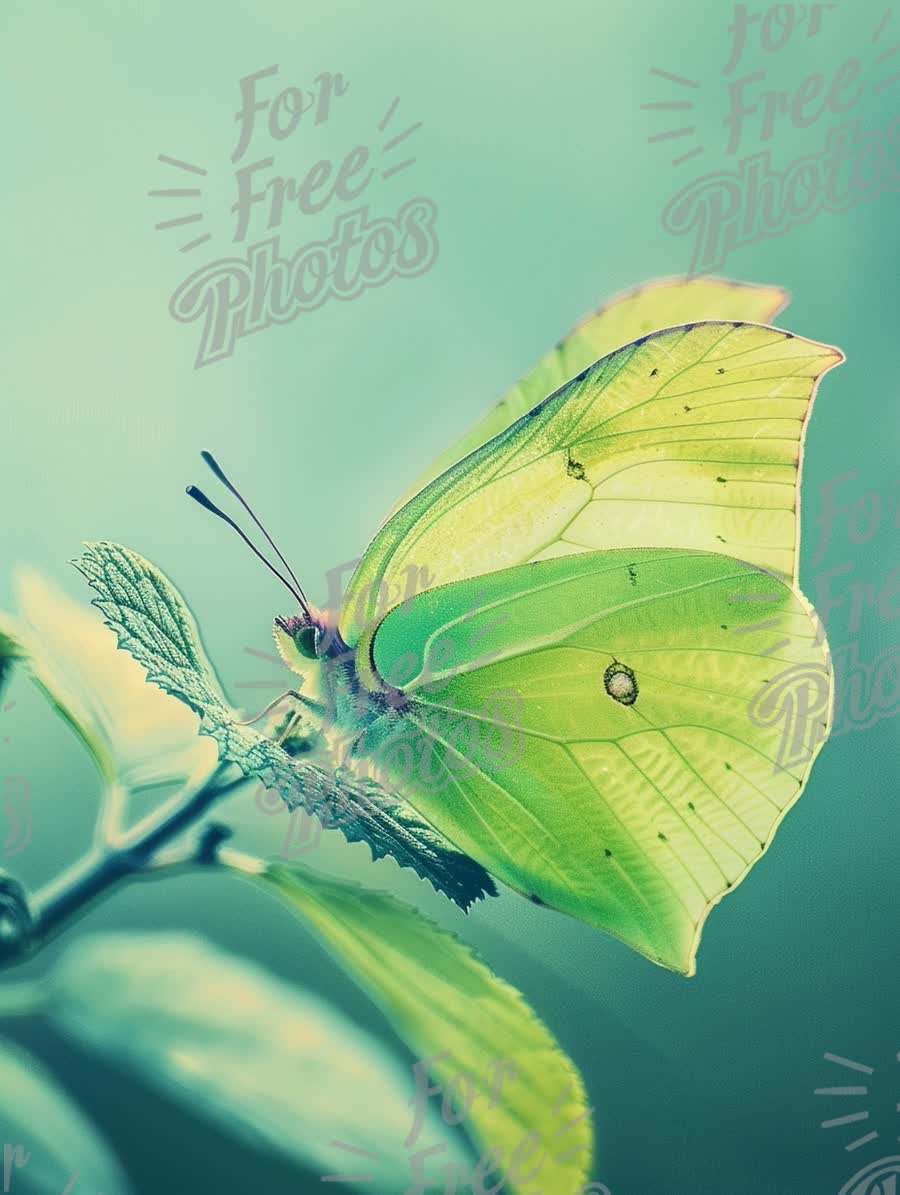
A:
610,580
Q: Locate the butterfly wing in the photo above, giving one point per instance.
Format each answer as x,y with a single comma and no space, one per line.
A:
606,732
625,318
688,438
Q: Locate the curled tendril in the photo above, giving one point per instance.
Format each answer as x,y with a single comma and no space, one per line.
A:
15,919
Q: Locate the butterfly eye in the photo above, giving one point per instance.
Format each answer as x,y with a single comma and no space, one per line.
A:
621,684
306,641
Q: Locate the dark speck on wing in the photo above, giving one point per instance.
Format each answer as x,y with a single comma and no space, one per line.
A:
575,468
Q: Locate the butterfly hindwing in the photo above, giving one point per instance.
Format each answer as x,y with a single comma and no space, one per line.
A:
583,727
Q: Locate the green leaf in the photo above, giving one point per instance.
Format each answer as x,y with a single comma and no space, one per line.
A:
272,1064
45,1139
137,735
445,1002
154,624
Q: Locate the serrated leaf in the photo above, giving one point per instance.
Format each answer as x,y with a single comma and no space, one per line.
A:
137,735
271,1063
445,1002
56,1140
153,623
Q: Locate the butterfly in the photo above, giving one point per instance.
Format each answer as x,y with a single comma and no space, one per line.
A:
554,646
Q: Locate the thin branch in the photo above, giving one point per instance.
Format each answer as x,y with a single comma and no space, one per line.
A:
106,866
238,861
109,820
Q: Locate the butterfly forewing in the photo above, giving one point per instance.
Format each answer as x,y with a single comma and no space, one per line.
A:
624,319
690,438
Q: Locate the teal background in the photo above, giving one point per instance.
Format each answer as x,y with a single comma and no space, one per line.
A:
535,150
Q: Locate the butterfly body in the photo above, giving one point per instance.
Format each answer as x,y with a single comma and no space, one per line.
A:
343,699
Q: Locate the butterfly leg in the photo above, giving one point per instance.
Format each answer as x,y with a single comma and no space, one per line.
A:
289,729
272,704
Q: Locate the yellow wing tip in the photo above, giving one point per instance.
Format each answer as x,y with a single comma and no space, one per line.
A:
831,352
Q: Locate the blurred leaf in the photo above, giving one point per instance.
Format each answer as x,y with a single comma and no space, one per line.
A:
9,652
442,999
55,1137
154,624
138,735
268,1061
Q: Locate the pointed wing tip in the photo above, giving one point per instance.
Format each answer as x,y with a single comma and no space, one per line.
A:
830,350
679,960
831,353
838,356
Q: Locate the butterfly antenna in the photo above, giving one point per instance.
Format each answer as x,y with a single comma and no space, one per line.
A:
200,497
217,469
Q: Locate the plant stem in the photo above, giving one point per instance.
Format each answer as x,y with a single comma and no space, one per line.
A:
112,807
238,861
106,866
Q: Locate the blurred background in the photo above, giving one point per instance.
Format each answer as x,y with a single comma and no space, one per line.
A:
550,179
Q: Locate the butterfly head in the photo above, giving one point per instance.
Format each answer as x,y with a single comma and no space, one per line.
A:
308,636
300,633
